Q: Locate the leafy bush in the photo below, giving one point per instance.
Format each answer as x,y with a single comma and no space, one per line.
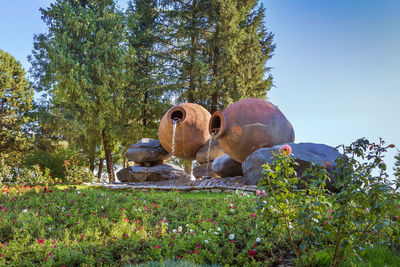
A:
46,159
343,223
76,174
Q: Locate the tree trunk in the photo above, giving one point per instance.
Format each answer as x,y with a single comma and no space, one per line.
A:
100,170
92,156
109,163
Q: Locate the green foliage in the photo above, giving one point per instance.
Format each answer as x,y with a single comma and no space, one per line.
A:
52,160
76,174
397,167
217,50
343,223
15,102
54,226
81,63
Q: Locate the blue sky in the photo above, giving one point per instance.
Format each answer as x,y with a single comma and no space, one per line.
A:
336,66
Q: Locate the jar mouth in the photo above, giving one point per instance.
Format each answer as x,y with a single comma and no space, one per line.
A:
216,126
177,114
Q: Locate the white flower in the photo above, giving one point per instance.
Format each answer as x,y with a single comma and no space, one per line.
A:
166,223
25,211
216,233
78,192
206,241
102,207
258,239
187,225
219,229
174,230
231,236
180,228
232,210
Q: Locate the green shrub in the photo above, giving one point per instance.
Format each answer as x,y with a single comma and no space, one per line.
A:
76,174
343,223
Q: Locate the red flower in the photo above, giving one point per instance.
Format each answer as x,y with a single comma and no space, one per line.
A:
285,150
126,219
198,246
231,241
156,246
40,241
252,253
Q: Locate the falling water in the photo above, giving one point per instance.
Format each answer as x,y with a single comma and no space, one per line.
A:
208,153
174,123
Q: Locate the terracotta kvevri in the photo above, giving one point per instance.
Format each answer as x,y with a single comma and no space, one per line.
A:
191,132
248,125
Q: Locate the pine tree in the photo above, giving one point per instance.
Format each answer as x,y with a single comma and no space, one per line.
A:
148,71
16,97
219,50
81,62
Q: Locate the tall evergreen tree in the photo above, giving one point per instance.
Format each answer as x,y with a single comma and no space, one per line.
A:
81,61
148,72
219,48
16,97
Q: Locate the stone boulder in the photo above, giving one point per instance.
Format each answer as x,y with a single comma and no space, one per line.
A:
225,166
155,173
147,151
202,171
215,151
304,154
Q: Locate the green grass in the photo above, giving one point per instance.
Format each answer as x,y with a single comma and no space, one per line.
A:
89,226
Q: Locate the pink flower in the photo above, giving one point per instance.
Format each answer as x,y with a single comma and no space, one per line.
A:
252,253
330,210
40,241
198,246
155,205
82,236
285,150
156,246
253,215
147,208
126,219
195,251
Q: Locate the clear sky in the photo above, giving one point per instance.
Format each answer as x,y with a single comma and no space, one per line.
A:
336,67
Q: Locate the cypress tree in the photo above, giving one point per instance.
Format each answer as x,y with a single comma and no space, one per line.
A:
81,61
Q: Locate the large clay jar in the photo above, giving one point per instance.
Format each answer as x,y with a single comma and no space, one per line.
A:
191,131
248,125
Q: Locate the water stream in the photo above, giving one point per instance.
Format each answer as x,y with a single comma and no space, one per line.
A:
174,123
208,153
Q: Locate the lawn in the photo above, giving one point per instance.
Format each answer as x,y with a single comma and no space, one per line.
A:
88,226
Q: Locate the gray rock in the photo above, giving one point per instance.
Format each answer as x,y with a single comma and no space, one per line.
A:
201,171
304,154
155,173
215,151
236,181
225,166
147,151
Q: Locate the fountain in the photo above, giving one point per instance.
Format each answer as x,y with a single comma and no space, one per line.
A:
184,129
208,155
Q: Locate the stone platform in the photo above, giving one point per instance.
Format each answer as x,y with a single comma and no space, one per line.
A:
217,185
